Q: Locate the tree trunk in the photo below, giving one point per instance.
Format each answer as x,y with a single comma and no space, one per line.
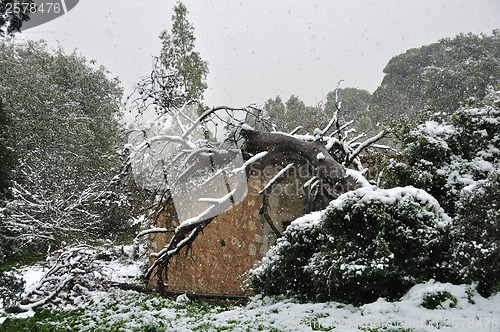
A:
312,155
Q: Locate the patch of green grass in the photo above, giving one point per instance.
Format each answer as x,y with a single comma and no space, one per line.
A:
22,260
46,320
470,295
122,311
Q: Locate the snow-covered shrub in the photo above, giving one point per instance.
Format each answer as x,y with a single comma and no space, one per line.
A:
456,158
476,230
283,268
11,288
367,244
439,300
446,154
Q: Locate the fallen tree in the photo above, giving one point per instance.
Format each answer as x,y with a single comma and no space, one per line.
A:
185,151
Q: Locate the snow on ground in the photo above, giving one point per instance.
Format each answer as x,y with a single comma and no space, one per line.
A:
407,313
131,310
32,274
123,270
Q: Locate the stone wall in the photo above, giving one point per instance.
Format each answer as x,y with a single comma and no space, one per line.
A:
227,249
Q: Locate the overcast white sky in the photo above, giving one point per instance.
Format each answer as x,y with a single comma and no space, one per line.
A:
258,49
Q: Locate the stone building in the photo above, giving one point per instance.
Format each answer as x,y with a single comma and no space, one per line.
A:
238,238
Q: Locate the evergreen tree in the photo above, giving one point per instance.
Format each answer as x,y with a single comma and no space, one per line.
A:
353,102
275,110
66,130
438,75
294,113
180,59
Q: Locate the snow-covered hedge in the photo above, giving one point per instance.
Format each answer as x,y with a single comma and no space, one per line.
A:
367,244
456,159
476,233
446,154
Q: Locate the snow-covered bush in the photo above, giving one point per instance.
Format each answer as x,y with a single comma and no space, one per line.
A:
10,285
283,268
367,244
446,154
476,230
456,158
11,288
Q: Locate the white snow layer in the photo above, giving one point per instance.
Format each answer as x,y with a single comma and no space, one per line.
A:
246,127
356,175
391,196
471,313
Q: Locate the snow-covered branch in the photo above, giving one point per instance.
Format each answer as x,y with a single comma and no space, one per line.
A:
74,272
276,177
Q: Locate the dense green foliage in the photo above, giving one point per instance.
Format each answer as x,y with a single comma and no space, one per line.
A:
353,102
286,116
66,129
7,155
449,152
368,244
294,113
188,70
275,110
456,158
437,300
438,75
476,252
10,286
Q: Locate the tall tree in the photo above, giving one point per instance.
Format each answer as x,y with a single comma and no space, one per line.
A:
275,110
295,114
438,75
65,119
353,102
181,60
